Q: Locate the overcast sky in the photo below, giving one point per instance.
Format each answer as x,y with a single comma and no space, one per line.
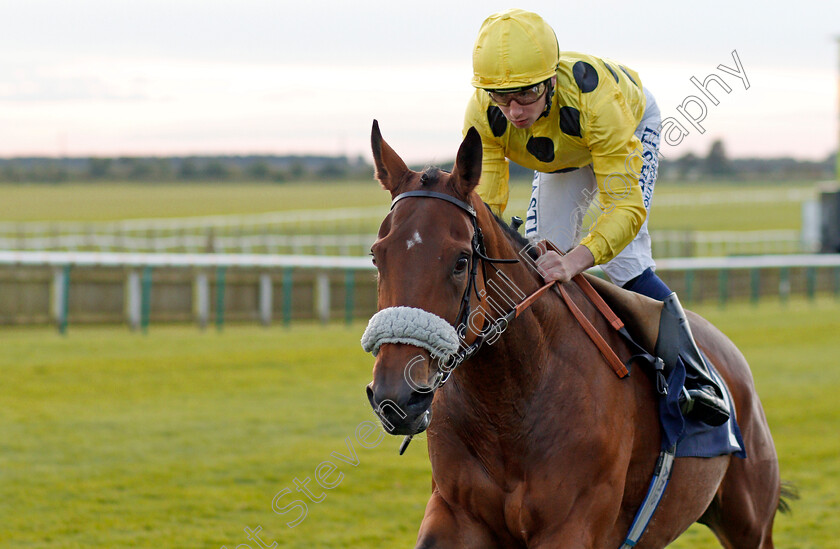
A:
105,77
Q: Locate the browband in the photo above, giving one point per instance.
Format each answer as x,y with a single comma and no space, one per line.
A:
431,194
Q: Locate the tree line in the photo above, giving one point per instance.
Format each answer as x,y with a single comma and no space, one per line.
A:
716,164
268,168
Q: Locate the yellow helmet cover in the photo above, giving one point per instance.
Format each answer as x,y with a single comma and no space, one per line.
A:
514,48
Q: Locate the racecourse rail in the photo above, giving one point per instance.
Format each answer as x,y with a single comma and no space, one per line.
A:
351,231
139,268
665,243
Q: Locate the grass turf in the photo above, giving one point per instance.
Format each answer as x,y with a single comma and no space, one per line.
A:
114,201
183,438
103,202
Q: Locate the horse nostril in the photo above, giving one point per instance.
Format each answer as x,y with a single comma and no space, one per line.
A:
369,391
419,401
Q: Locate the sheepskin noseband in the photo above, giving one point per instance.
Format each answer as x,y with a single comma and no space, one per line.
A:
410,326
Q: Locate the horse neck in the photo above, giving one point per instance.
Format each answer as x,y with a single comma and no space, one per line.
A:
513,362
514,383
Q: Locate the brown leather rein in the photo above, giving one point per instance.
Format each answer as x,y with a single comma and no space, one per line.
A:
595,298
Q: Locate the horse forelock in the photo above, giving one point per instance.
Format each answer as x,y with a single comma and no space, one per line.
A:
435,178
430,177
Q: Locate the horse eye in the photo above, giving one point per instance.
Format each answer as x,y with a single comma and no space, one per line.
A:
461,264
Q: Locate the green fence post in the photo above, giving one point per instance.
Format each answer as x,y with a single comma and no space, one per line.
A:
287,296
145,299
811,281
349,297
221,273
784,285
755,285
266,298
723,286
837,283
689,285
65,300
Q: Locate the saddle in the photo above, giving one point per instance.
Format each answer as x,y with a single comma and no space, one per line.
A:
640,320
650,327
640,313
654,333
650,322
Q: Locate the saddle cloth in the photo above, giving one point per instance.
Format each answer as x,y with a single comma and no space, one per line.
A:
694,439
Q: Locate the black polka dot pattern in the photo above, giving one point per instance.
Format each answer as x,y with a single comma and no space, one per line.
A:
615,75
628,76
570,121
542,148
586,76
497,120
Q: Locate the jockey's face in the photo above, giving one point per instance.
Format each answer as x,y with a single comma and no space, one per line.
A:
524,116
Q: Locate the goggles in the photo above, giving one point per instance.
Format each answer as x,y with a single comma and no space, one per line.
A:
523,96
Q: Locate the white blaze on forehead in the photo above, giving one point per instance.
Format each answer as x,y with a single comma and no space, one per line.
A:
414,240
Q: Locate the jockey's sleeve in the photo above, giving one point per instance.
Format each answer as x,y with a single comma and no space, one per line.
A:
617,162
495,171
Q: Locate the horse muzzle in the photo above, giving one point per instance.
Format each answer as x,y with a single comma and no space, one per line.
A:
402,416
404,340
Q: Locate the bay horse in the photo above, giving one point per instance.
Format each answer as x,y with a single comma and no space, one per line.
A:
534,442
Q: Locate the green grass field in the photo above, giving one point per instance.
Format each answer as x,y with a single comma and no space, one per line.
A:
106,202
103,202
182,438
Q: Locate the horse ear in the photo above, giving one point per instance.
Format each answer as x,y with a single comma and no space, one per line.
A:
467,169
390,168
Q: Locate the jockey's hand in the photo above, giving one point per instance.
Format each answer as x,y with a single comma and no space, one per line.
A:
563,268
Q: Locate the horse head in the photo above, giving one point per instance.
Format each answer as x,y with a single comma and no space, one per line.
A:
425,255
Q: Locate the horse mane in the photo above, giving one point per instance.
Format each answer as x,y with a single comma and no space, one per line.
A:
514,236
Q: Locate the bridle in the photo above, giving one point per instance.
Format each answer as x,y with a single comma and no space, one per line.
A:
478,255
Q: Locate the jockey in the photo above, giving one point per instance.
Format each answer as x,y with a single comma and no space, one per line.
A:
590,130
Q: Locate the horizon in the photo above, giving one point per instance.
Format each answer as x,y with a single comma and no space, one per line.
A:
192,78
337,156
